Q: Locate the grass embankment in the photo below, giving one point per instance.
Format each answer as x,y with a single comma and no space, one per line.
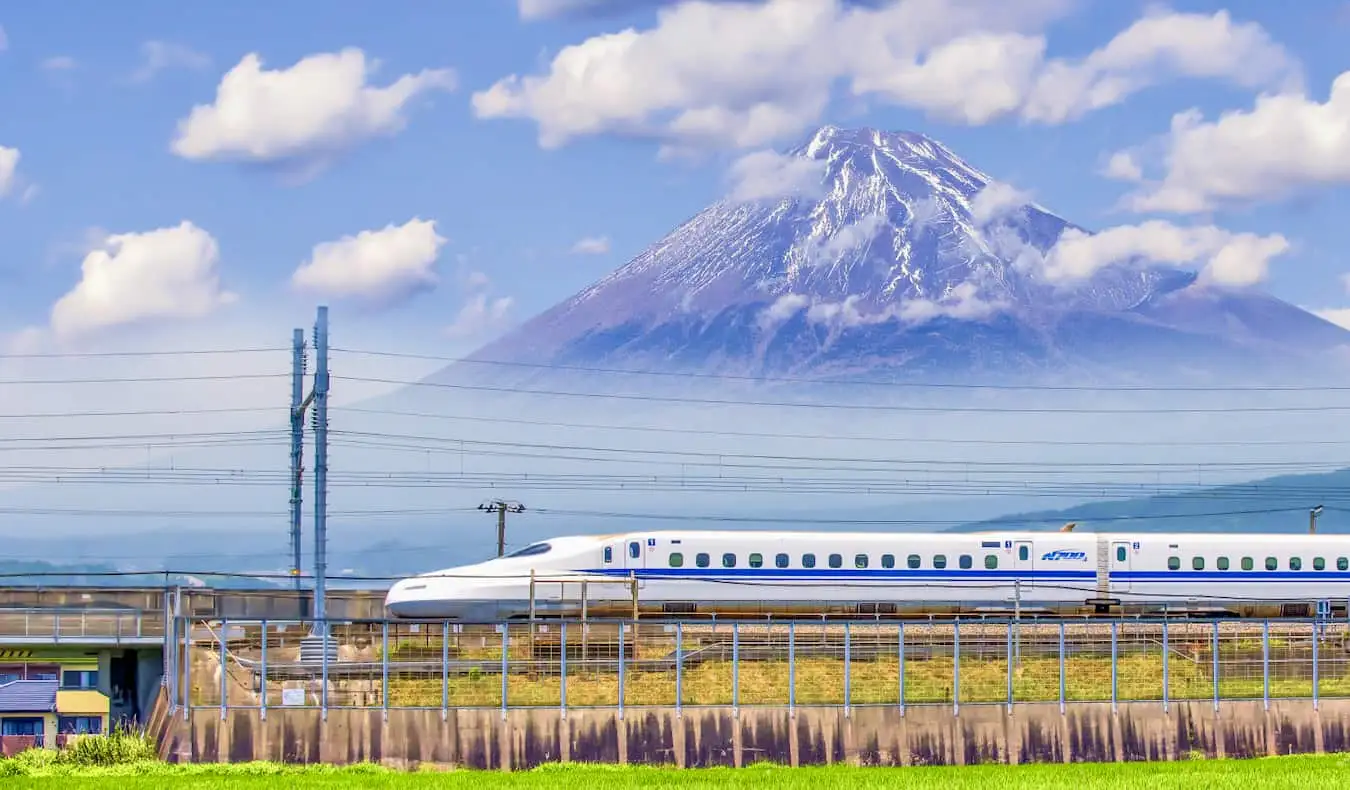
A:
1292,772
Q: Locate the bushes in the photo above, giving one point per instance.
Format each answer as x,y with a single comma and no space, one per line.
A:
120,747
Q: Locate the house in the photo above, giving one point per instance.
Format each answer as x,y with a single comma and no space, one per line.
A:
46,696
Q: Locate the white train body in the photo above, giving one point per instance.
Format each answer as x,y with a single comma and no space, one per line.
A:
803,572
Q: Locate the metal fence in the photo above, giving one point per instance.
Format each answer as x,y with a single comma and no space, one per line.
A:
54,624
618,664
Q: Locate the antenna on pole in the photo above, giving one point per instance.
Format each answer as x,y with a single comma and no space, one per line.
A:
501,507
1312,519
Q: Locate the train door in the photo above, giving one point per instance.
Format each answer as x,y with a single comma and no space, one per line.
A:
1120,562
1024,560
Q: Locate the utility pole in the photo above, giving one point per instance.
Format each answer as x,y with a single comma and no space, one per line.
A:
317,645
298,405
501,508
1312,519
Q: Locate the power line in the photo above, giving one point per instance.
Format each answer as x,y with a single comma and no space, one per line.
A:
143,379
848,382
140,413
180,353
870,407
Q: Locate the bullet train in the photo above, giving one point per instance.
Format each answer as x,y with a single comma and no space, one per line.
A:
795,574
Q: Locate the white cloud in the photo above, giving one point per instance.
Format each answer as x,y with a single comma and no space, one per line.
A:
995,200
1285,143
591,245
133,277
480,316
1226,258
9,168
769,175
783,308
375,266
308,113
849,238
59,63
743,75
963,303
1123,166
156,56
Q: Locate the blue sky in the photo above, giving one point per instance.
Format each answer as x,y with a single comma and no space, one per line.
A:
94,130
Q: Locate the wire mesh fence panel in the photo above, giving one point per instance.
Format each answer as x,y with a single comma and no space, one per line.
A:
763,673
984,663
707,671
819,669
874,667
650,672
355,678
1139,662
1333,661
1087,662
277,667
1241,667
414,658
1189,659
929,666
204,665
593,664
1035,660
533,671
1291,660
473,673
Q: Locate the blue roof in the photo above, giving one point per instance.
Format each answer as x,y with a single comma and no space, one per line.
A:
28,696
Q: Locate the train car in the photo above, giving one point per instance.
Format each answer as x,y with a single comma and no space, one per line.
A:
793,574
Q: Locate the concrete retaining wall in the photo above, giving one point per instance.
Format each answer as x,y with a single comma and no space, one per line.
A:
1084,732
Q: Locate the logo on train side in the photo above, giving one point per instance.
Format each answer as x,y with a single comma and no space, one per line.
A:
1064,555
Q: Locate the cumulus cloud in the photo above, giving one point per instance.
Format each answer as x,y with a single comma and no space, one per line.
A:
783,308
9,168
996,200
134,277
743,75
591,245
962,302
481,315
849,238
769,175
1225,258
1123,166
1285,143
157,56
307,113
379,267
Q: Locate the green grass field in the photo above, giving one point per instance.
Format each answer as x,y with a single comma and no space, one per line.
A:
1291,772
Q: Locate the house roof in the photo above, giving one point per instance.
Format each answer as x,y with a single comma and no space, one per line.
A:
28,696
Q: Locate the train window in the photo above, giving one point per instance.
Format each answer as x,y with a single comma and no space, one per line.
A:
808,560
860,561
1023,553
1272,563
913,561
609,554
836,560
1295,564
781,560
1198,563
939,560
1343,563
531,550
991,561
1173,563
1319,564
1120,554
728,560
1222,563
1247,563
676,560
701,559
888,560
635,549
756,560
965,562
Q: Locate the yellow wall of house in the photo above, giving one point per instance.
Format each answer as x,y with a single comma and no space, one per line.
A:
81,703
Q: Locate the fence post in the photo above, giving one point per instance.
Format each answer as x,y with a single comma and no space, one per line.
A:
562,669
1007,654
1062,680
384,669
956,668
262,698
506,648
1265,664
792,670
1167,656
224,675
847,679
445,670
679,669
1215,651
901,640
187,667
1314,664
621,675
1115,668
323,691
735,669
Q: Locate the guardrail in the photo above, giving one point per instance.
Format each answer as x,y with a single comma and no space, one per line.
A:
76,624
617,664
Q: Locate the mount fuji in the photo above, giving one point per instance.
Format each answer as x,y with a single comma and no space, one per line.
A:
895,259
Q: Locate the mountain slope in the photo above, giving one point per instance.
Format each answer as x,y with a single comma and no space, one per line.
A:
900,263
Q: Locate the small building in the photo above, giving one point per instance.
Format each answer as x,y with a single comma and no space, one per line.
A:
46,695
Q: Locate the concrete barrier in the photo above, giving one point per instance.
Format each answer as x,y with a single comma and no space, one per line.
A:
723,736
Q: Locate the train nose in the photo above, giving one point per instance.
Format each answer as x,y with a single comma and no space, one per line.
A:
446,599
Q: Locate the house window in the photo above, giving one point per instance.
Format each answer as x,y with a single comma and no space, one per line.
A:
888,560
676,560
79,679
756,560
45,673
781,560
79,725
702,560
